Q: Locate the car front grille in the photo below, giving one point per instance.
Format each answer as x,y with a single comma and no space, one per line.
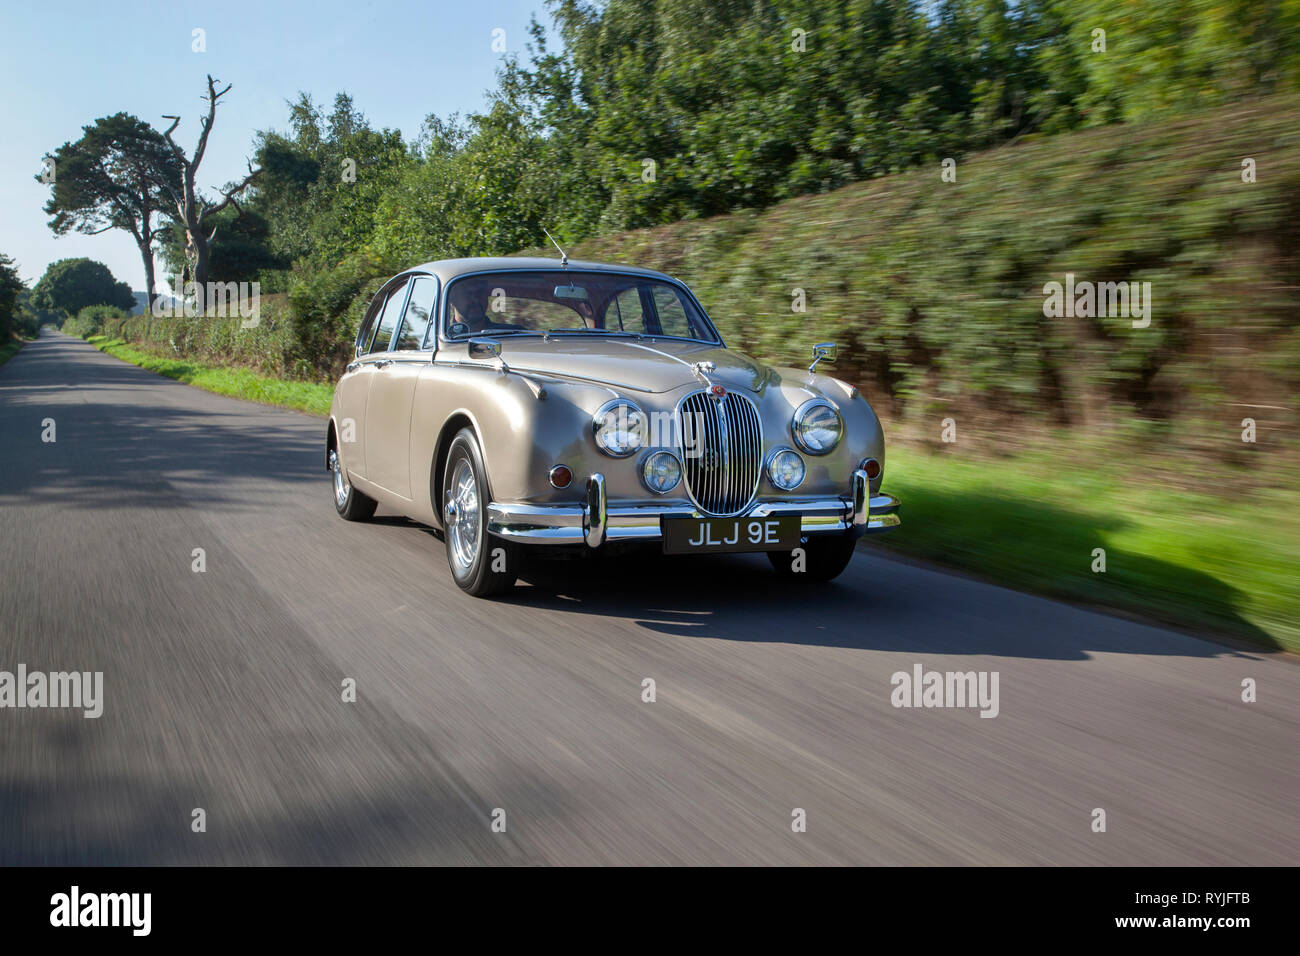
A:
722,451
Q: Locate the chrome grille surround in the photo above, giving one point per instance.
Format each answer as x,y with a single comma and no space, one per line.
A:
721,443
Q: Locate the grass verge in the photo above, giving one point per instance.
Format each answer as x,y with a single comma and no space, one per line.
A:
236,382
1217,563
9,349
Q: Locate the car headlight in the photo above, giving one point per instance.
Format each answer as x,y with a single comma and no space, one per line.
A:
817,426
619,427
661,472
785,469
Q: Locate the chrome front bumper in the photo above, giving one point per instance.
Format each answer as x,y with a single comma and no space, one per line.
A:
597,521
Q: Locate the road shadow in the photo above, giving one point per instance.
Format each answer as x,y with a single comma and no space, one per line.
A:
120,446
881,603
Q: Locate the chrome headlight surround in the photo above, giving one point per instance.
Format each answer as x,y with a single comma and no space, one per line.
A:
604,428
664,460
803,424
777,477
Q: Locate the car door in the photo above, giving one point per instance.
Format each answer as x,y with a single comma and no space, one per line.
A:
373,358
353,391
392,392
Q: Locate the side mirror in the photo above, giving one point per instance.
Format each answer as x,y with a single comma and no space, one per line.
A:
484,348
822,352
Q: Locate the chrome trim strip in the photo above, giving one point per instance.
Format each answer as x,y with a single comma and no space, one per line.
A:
542,374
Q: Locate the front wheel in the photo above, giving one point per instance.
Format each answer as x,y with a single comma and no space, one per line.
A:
351,504
481,565
822,559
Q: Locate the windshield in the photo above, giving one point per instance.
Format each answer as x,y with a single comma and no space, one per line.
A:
572,302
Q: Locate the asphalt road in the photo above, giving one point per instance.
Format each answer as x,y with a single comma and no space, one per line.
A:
222,689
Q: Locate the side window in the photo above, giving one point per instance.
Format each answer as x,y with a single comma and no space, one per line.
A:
672,314
367,330
388,321
423,291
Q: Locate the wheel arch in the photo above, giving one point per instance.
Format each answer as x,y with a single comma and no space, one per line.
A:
461,418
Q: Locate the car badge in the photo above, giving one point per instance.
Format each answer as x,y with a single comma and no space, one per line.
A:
718,392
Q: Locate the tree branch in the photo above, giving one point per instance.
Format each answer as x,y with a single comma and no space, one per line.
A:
212,98
230,194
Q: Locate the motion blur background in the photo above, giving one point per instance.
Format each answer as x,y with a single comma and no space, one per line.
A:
774,154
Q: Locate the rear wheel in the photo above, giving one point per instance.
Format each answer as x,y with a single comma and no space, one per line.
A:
351,504
482,565
823,559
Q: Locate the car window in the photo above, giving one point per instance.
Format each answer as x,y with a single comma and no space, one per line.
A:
546,301
411,337
367,331
673,318
388,321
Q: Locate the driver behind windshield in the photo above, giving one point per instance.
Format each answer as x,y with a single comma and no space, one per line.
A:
470,301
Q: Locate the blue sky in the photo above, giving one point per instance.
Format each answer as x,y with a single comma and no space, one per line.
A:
63,65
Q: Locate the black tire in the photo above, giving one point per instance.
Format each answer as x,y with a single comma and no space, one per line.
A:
352,505
824,559
481,565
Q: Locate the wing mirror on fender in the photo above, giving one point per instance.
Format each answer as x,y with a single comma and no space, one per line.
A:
822,351
486,348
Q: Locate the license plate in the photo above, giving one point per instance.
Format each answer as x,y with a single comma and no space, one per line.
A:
710,535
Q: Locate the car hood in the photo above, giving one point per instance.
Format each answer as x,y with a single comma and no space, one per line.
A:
657,365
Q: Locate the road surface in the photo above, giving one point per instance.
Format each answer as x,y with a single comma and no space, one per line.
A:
223,688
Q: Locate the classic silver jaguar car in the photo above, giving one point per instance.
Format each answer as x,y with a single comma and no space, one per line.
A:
528,404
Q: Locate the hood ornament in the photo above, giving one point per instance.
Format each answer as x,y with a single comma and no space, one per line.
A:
702,371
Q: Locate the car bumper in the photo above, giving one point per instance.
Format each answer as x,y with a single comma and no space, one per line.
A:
598,520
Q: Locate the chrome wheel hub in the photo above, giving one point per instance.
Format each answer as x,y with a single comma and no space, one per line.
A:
341,487
461,512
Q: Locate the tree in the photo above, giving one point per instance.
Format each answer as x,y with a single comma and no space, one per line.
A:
239,249
324,184
70,285
116,176
10,287
192,210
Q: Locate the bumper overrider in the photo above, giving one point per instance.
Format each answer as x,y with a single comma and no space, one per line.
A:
597,520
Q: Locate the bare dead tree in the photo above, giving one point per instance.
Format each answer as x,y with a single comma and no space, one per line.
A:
191,209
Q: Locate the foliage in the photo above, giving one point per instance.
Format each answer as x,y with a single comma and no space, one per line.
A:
670,113
935,290
91,320
325,311
11,286
70,285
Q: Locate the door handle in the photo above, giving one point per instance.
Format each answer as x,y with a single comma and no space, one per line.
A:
383,363
353,366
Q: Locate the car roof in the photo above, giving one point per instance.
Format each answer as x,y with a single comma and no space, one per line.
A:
448,269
